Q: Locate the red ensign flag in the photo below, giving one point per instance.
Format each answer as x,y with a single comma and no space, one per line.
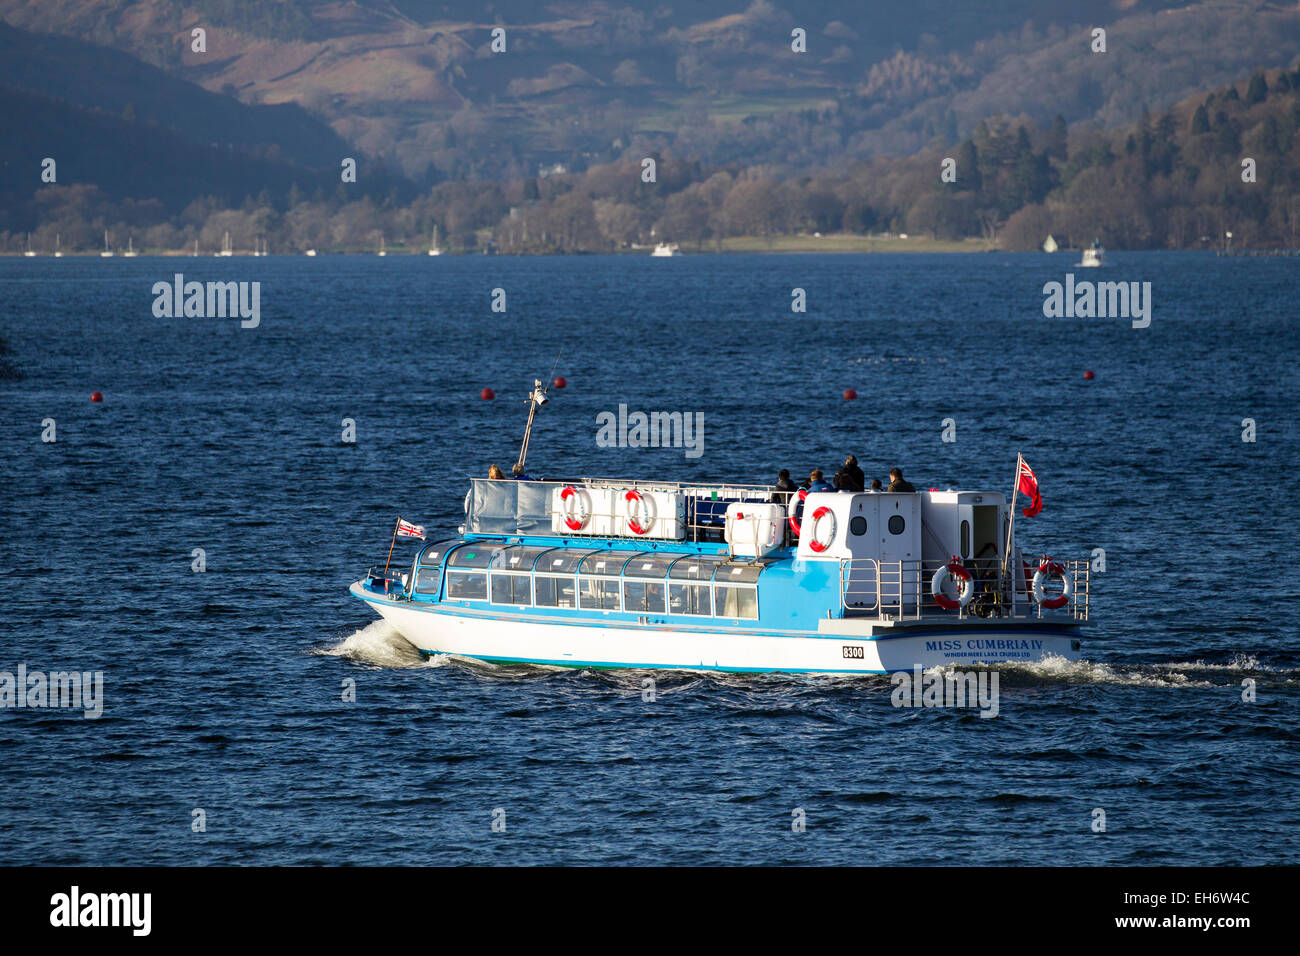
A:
1028,485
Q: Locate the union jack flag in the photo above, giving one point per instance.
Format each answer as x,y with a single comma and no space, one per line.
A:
407,530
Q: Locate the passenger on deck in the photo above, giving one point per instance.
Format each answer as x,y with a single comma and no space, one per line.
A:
816,482
875,485
851,476
785,487
896,481
519,473
496,473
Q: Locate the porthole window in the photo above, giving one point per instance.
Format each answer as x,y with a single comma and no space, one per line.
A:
896,524
858,525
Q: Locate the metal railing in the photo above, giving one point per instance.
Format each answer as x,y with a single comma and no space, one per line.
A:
900,590
525,507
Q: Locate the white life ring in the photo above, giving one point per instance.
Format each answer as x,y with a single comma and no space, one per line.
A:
792,509
1048,568
575,500
952,571
643,522
815,542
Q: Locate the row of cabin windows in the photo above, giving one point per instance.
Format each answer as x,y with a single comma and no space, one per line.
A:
699,585
596,593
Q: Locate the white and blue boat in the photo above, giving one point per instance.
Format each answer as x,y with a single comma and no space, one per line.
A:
605,573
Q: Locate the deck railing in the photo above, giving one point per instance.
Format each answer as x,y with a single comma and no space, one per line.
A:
900,590
524,507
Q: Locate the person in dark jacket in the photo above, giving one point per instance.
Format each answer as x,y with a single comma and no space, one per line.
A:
896,481
784,488
851,476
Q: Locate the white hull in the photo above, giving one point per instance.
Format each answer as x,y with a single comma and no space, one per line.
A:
489,636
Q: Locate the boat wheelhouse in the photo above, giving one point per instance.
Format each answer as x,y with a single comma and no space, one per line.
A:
615,573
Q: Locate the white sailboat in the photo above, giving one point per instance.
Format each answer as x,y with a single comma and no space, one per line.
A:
29,254
433,249
58,246
1049,245
130,248
382,250
226,249
310,252
108,252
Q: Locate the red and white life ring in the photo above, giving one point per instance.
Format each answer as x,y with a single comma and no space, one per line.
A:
643,522
1048,568
815,541
576,506
954,570
792,508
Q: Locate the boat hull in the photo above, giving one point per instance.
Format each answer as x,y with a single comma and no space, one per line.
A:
854,647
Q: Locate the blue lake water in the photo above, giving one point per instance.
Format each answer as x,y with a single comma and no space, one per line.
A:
223,689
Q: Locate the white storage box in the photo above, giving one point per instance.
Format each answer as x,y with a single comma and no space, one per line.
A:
754,528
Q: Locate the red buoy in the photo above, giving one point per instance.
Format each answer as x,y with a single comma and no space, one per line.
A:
850,394
96,396
560,381
486,394
1088,376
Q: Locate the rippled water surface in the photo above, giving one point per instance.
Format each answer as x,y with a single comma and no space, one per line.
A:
223,689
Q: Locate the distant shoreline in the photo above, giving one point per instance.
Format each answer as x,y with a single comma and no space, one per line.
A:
829,244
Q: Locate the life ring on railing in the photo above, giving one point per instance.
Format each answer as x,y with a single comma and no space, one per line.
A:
582,500
815,542
1048,568
640,524
793,507
954,570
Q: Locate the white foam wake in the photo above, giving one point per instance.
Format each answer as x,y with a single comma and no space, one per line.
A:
380,645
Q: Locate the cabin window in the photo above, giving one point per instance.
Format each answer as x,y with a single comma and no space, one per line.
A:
858,526
561,561
965,539
428,580
467,585
741,602
689,599
473,555
511,588
896,524
518,558
598,593
643,597
433,554
555,591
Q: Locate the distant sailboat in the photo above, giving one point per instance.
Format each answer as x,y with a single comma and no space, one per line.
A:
29,254
382,250
58,246
226,250
130,248
196,247
107,253
310,252
1050,245
433,249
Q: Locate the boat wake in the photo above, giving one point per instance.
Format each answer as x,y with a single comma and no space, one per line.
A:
378,644
1057,670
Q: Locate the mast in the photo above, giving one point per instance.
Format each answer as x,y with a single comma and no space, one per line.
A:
536,399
